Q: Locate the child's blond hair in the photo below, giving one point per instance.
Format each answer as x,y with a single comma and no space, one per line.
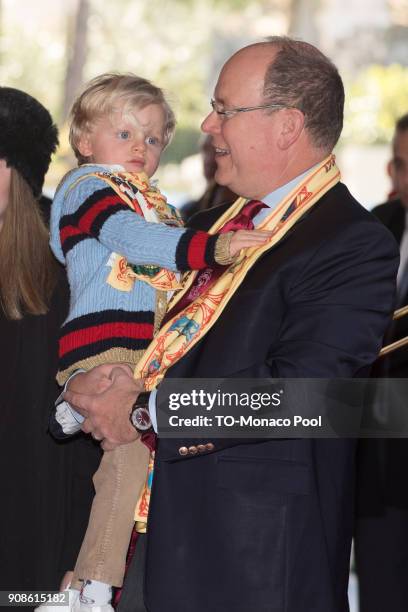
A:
98,100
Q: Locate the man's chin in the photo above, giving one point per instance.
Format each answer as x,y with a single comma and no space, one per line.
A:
222,177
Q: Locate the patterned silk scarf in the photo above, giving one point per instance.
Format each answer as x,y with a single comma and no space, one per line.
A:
183,330
208,276
148,202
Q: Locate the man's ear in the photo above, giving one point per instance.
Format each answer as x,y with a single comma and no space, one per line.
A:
292,124
84,145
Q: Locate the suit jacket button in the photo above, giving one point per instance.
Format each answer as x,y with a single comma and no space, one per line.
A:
209,446
183,450
193,450
201,448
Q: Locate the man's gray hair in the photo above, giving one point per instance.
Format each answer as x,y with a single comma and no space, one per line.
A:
302,77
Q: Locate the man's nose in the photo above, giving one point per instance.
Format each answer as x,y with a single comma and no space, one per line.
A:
211,124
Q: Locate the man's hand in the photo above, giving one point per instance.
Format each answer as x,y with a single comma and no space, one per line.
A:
96,380
107,412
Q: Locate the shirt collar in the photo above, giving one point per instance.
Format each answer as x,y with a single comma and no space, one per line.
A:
273,198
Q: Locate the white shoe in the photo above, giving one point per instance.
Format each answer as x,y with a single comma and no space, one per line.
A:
73,595
85,603
83,607
75,605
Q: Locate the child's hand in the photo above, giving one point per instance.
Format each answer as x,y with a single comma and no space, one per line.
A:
243,239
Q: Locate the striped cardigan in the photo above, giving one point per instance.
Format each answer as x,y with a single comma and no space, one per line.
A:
89,221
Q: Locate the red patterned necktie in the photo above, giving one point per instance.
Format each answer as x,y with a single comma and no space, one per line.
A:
243,220
207,277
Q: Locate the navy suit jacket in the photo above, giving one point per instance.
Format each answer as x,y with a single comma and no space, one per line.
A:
265,525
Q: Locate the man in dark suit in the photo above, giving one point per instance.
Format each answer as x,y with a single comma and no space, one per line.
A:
265,525
381,538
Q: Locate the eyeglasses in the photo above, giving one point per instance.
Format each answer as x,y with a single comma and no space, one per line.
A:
226,114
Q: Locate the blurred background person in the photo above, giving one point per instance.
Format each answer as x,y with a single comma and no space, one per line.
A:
381,539
214,194
46,488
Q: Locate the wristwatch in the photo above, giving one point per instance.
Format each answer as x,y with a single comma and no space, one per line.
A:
139,415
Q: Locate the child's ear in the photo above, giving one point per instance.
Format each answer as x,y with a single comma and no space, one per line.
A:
84,145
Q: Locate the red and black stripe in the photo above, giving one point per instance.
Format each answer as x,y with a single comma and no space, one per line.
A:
88,220
195,251
70,236
95,333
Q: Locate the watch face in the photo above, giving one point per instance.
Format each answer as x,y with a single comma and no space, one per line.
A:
141,419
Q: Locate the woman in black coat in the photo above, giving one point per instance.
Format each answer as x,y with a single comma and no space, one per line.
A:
46,487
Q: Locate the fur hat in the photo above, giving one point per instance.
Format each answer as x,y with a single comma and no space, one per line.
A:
28,136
